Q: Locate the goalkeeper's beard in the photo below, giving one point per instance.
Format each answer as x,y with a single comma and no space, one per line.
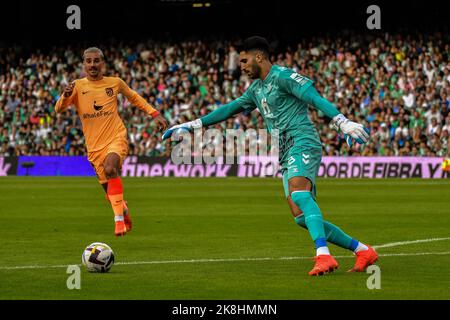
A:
255,71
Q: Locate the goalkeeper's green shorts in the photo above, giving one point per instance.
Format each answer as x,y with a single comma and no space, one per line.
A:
301,161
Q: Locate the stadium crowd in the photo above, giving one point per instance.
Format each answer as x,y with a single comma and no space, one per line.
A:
398,86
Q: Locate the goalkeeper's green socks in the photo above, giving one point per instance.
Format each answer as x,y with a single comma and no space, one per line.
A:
313,219
335,235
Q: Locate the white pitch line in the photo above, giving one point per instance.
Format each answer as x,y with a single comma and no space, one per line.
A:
228,260
393,244
272,259
35,267
404,243
414,254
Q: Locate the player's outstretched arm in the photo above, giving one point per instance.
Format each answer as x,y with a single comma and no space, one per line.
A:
302,88
140,102
161,122
66,98
218,115
352,130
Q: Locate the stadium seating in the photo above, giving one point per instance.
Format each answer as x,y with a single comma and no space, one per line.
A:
398,86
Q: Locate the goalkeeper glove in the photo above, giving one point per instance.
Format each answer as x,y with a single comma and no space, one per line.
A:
352,130
187,126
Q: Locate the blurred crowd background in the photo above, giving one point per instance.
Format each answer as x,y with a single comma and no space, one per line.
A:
396,85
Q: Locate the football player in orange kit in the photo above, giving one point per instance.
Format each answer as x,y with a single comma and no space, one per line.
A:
95,99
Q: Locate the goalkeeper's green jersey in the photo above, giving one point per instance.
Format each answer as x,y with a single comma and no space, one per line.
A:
282,99
279,99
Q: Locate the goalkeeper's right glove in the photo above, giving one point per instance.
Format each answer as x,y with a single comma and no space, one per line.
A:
187,126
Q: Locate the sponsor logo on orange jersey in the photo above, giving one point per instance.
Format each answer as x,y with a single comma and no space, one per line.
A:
96,114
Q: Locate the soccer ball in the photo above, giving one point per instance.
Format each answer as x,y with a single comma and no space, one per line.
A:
98,257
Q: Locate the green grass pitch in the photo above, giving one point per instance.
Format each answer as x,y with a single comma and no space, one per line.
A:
220,239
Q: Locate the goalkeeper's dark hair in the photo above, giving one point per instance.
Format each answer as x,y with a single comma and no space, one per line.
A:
256,43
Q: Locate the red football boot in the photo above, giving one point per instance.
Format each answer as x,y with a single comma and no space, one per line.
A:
121,229
364,259
324,264
127,217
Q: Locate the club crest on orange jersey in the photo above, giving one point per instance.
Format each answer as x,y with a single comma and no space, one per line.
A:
109,92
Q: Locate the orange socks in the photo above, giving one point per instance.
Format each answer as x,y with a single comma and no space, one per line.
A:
115,195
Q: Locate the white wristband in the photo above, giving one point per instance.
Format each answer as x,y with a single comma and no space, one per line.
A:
195,124
338,120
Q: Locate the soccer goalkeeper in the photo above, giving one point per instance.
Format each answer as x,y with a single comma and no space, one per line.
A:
282,96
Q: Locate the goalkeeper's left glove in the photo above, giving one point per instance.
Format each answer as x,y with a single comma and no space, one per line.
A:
352,130
187,126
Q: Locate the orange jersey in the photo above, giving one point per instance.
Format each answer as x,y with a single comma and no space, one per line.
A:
96,105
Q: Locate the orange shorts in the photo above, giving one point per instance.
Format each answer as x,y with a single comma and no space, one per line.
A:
97,158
